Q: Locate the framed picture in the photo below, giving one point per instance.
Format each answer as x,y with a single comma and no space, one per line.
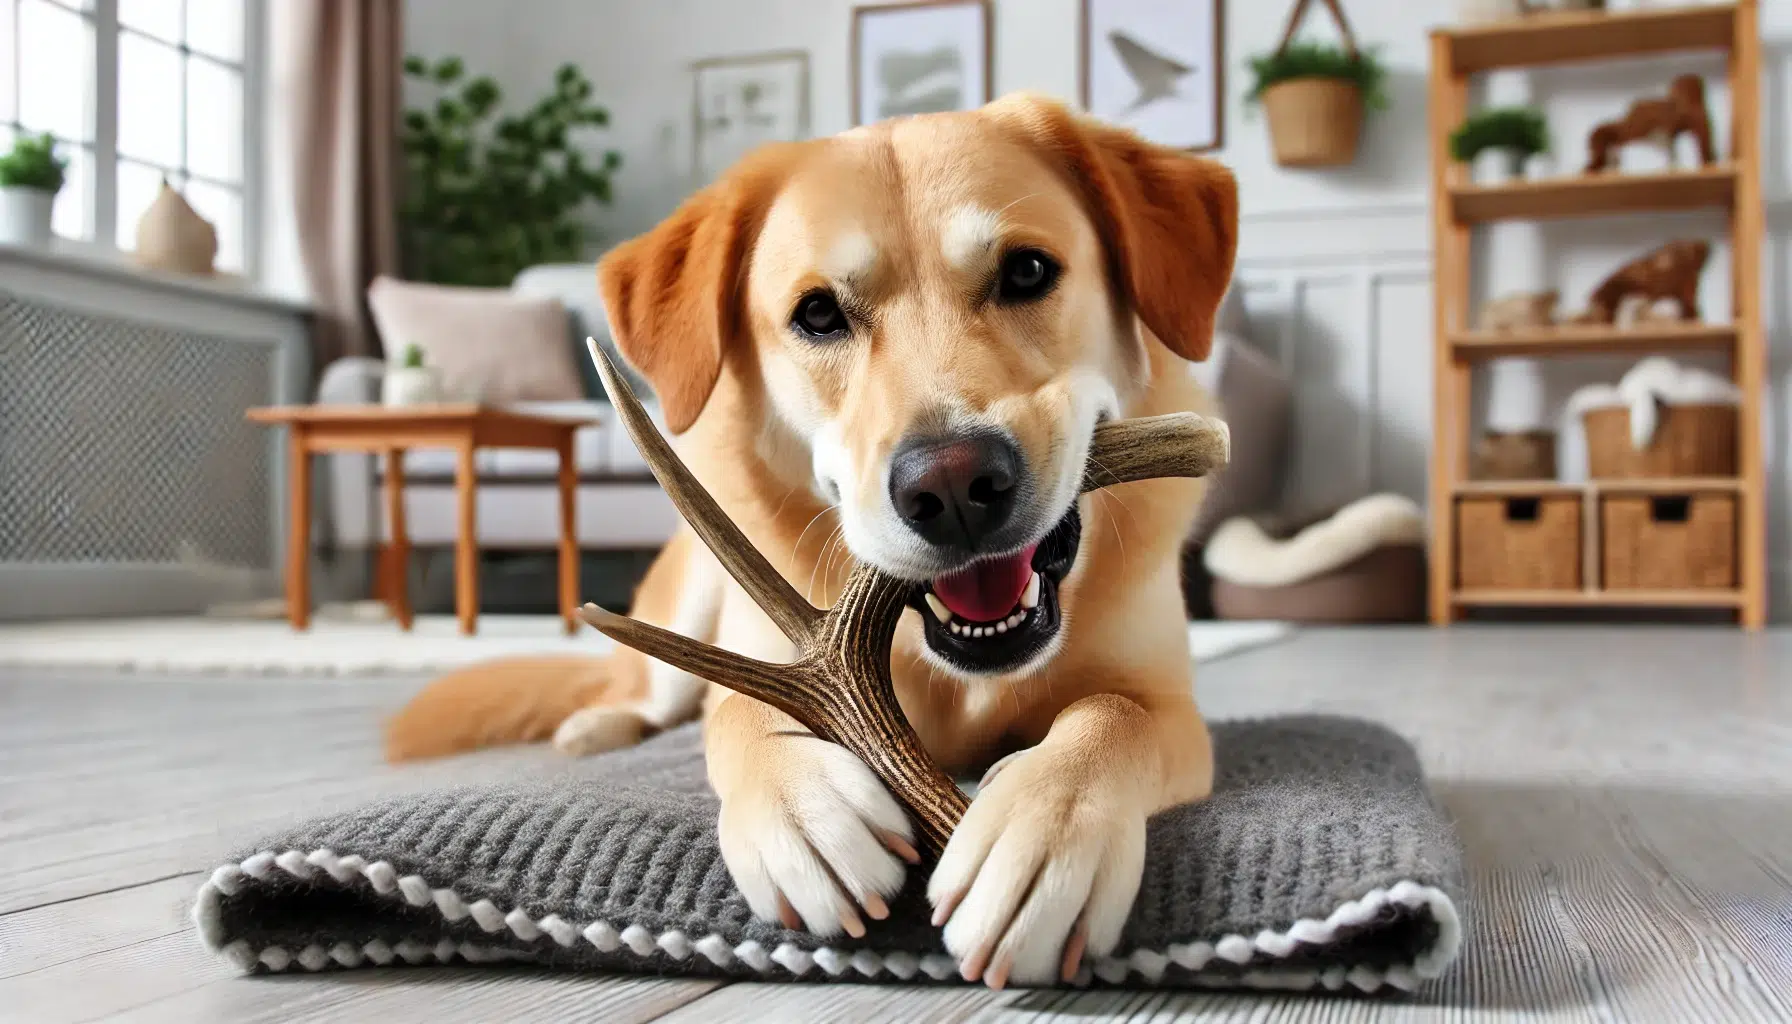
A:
919,58
1157,67
743,102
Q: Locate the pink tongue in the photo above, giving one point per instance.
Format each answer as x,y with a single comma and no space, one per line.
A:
988,590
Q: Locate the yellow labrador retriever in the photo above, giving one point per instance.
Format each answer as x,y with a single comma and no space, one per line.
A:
893,345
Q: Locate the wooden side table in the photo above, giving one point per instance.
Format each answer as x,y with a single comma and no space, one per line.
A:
318,429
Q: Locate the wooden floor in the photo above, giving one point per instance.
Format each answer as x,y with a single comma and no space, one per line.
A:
1625,796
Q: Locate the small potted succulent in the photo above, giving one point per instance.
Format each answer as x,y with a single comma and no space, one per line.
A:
410,382
30,177
1502,143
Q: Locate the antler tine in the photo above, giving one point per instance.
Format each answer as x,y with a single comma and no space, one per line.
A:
1176,444
761,680
795,616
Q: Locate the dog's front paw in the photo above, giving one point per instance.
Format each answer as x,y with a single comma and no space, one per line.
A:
815,838
1042,869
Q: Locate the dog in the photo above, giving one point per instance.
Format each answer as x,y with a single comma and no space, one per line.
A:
1659,120
893,346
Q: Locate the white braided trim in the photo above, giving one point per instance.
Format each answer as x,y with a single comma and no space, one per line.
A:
1149,965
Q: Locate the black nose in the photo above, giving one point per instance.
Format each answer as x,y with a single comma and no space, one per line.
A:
955,493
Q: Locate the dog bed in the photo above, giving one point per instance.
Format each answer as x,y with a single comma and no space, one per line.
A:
1320,862
1364,562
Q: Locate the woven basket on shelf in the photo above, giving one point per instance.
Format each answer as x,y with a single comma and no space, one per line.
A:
1689,441
1514,455
1518,543
1668,542
1314,122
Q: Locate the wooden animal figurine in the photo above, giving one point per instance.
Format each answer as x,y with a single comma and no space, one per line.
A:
1660,120
1519,310
839,686
1670,272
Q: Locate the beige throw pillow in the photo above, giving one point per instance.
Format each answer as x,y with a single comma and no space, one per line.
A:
487,344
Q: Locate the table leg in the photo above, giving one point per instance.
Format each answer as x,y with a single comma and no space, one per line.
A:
569,535
398,546
298,528
466,550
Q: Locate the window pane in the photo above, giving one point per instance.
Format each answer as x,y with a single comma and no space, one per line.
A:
70,218
137,188
214,121
55,70
159,18
9,50
224,208
215,27
149,106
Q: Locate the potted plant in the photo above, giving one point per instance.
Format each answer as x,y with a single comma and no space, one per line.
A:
30,177
1499,142
410,382
487,195
1315,94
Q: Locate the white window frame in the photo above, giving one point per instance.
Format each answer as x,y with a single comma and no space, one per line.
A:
102,199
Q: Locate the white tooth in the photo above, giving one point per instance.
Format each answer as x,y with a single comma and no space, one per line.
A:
1029,598
1014,620
982,631
1002,627
939,608
955,627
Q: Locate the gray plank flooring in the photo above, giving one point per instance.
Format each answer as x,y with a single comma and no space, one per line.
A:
1624,794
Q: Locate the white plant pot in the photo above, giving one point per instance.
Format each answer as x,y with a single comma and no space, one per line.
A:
25,215
1539,166
1495,167
411,385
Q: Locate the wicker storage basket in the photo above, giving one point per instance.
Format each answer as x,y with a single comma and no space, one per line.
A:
1690,440
1314,122
1668,541
1519,543
1517,455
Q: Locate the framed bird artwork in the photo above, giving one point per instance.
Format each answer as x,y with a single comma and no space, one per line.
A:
1157,67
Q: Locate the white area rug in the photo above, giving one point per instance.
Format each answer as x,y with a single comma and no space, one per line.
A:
336,647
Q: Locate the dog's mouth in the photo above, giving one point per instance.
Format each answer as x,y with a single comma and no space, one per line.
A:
997,614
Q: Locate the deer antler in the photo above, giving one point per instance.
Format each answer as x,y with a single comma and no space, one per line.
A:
839,686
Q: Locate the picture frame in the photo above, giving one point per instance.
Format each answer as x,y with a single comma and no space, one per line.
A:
921,56
1157,67
741,102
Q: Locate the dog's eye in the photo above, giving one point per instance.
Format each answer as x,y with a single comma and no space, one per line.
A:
1026,275
819,316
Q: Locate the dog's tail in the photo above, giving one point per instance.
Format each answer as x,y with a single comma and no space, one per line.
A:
512,700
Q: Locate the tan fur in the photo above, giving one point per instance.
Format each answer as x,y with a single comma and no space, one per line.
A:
1107,729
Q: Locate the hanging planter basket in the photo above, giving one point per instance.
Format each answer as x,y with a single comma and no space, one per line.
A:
1315,120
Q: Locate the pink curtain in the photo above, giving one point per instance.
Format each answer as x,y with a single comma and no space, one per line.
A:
343,79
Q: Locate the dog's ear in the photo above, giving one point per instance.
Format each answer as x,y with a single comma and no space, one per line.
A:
1168,220
673,295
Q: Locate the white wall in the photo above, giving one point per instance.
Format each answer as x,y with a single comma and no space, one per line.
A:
1334,264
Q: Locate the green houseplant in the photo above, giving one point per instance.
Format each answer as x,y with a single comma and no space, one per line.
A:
487,194
1315,93
1515,134
30,176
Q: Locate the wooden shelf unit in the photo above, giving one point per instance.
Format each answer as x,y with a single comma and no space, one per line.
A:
1458,205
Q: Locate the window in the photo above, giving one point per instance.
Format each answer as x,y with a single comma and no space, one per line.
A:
138,92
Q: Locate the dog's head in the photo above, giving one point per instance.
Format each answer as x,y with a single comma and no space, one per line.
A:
940,309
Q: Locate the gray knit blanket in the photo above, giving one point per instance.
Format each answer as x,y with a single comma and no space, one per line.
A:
1320,861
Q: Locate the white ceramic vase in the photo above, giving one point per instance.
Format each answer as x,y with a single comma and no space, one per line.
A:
25,215
1539,166
1496,167
411,385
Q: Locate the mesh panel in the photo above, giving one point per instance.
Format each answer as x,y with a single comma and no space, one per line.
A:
121,442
